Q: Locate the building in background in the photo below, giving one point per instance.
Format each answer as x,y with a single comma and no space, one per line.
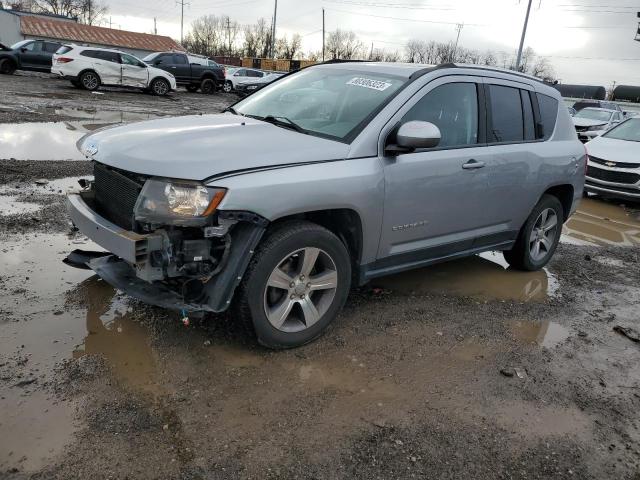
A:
16,26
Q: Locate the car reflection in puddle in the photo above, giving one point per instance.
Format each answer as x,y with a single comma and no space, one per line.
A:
601,222
485,276
545,334
112,333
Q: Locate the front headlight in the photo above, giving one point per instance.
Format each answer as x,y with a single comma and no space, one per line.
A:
176,202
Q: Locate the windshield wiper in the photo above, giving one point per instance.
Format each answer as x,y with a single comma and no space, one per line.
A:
232,110
283,122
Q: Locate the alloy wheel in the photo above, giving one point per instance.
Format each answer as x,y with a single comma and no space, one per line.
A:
160,87
89,81
543,234
300,289
227,87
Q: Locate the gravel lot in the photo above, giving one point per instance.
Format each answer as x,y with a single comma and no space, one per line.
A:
462,370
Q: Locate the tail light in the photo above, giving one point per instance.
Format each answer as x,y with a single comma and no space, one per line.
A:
586,160
64,60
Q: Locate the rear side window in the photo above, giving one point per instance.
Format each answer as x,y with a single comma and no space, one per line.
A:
90,53
453,108
548,114
64,49
180,59
51,47
507,123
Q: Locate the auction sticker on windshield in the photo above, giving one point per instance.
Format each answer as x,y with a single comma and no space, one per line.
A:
369,83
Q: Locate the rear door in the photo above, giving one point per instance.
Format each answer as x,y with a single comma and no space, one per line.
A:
134,72
516,163
108,66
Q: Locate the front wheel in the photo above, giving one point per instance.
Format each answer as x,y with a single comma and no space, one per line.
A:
295,285
159,87
227,87
539,237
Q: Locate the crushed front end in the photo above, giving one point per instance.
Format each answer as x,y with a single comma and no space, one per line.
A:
168,243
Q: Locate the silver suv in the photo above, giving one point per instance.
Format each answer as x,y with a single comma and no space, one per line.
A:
325,179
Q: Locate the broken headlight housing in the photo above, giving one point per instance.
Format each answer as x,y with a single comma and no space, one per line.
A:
176,202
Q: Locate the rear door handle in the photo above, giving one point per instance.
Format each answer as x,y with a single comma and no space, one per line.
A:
472,164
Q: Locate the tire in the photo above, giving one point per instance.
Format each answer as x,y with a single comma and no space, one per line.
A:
159,87
89,80
7,66
280,259
192,88
227,87
539,237
208,86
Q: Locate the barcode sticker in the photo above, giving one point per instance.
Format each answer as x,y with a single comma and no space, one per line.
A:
369,83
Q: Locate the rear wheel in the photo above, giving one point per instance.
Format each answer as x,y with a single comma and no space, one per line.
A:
539,237
90,80
295,285
7,66
227,87
159,87
207,86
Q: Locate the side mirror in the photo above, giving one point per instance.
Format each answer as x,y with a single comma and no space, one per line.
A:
418,134
23,49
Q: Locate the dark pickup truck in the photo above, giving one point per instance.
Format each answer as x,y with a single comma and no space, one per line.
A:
27,55
192,72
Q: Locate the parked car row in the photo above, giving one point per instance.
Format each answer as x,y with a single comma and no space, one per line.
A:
158,73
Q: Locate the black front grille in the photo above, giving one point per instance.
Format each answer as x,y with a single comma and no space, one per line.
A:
116,192
581,129
616,164
612,176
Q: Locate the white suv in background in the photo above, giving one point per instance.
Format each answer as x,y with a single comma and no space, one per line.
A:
241,75
90,67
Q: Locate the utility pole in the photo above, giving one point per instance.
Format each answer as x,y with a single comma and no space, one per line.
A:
110,22
273,30
182,3
371,52
524,33
459,28
323,34
155,26
228,36
89,21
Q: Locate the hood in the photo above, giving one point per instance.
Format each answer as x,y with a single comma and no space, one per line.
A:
198,147
4,48
586,122
614,150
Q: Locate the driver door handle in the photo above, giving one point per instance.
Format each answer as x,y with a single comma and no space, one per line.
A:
472,164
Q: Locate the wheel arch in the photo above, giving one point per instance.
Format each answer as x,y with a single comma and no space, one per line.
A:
564,193
345,223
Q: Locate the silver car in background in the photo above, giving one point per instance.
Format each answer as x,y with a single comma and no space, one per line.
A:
324,179
591,122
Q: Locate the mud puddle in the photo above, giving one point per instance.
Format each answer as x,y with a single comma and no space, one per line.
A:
544,334
57,140
484,276
601,222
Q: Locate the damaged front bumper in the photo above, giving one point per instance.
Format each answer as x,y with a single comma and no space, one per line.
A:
143,265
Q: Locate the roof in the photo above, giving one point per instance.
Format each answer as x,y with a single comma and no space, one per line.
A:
77,32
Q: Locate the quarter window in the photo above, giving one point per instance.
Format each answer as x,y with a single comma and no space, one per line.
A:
507,123
453,108
548,114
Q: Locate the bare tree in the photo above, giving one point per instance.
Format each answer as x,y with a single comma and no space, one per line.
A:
341,44
543,69
257,39
288,49
207,36
86,11
232,29
489,59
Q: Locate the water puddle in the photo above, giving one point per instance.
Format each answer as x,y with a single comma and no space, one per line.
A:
57,140
10,205
545,334
602,222
485,276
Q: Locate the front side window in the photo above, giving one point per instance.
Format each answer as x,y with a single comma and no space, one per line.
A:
325,101
31,46
507,121
129,60
453,108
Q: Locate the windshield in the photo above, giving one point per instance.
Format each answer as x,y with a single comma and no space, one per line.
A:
629,130
323,101
592,114
150,57
20,44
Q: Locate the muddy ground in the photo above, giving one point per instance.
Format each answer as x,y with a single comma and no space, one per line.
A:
462,370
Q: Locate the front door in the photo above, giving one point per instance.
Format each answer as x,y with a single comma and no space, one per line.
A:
32,55
134,72
435,198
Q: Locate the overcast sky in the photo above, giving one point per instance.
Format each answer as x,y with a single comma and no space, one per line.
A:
587,41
